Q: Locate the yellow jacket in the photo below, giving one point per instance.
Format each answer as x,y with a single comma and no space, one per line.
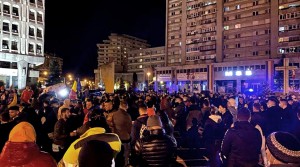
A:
71,156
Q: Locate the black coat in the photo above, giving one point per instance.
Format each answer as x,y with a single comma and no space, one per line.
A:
158,149
4,133
136,127
241,145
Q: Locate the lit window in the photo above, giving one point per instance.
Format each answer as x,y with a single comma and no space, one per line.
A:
238,73
140,66
226,27
238,7
248,73
141,60
237,26
228,73
281,29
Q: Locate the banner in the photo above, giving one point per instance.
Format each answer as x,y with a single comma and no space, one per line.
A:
107,73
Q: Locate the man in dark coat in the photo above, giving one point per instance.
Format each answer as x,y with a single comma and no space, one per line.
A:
242,143
157,149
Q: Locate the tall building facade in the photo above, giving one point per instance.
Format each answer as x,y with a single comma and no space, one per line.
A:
143,62
22,40
116,49
239,42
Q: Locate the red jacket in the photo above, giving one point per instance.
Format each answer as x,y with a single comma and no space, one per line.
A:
25,154
26,95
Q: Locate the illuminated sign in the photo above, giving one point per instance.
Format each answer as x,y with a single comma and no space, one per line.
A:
8,72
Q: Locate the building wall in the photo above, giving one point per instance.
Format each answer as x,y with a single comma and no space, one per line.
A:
116,50
207,31
226,33
22,35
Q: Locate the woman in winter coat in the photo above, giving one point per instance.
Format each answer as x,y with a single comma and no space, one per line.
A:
21,149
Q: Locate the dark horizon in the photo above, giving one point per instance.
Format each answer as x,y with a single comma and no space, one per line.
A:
72,32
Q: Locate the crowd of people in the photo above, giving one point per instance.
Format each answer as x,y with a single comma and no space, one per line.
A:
146,129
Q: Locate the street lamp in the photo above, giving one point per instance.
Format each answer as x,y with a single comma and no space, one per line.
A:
148,74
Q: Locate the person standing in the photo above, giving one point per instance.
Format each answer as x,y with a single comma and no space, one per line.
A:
61,135
121,125
21,149
157,149
26,95
242,143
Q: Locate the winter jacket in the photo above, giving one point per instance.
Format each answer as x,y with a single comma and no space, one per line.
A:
60,133
213,130
71,156
25,154
21,149
241,145
136,128
158,149
121,124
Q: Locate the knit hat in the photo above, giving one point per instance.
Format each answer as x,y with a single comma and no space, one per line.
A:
95,153
284,146
22,132
154,120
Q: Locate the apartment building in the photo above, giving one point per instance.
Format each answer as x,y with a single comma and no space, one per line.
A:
116,50
22,40
143,62
240,42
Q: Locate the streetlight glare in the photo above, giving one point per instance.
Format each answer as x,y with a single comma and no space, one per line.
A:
45,73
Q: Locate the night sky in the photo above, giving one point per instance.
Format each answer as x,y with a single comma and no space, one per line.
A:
73,30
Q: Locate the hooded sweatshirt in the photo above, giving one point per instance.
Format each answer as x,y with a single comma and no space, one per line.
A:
21,149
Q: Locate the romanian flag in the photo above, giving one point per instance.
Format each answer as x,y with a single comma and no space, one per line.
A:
73,92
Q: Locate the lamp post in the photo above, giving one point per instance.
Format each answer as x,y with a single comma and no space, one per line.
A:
148,74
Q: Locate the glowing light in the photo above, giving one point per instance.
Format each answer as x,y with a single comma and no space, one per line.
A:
63,92
238,73
228,73
251,90
248,73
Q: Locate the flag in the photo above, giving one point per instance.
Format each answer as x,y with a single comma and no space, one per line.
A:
73,92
